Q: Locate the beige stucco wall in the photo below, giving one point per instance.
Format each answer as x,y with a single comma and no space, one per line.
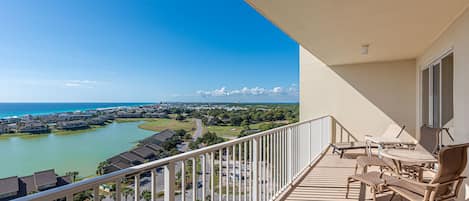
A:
365,98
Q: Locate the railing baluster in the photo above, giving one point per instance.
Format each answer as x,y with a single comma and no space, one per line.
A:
137,187
118,190
234,173
212,176
239,172
245,176
251,168
289,156
270,166
169,180
227,193
264,168
255,169
203,177
194,179
154,192
96,193
261,168
273,165
183,180
220,174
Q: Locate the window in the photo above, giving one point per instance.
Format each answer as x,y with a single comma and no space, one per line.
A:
437,92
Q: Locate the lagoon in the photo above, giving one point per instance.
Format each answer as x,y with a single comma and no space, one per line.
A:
75,152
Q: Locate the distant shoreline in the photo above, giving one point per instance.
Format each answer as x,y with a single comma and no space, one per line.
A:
13,110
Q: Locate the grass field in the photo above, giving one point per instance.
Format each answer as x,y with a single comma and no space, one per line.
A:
229,132
124,120
162,124
72,132
21,135
54,131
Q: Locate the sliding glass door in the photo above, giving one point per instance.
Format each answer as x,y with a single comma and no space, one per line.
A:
437,92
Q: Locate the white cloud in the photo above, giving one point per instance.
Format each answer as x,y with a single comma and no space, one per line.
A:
253,91
80,83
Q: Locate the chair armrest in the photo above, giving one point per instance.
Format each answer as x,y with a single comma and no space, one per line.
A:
452,181
427,186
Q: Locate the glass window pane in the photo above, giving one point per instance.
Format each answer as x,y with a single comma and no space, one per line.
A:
425,96
436,96
447,107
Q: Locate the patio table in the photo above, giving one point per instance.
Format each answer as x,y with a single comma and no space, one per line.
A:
417,156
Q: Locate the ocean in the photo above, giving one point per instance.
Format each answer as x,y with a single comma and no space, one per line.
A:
20,109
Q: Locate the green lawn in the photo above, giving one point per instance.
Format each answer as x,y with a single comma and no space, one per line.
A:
21,135
162,124
226,131
234,131
72,132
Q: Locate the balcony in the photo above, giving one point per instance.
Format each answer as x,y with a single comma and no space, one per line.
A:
286,163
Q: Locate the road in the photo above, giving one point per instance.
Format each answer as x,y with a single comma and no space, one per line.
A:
197,133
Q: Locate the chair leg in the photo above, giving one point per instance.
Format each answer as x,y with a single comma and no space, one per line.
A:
392,196
373,193
356,168
348,188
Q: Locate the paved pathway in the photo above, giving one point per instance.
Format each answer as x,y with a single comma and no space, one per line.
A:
197,133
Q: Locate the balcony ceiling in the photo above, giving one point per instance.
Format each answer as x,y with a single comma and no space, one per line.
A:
335,30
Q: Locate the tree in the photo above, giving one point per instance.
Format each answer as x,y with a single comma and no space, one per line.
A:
100,168
193,145
146,195
83,196
210,138
245,123
179,117
180,132
72,175
127,191
236,120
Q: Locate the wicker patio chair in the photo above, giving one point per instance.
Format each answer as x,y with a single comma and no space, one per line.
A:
444,185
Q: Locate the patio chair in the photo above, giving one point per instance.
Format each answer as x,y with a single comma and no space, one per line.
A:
372,179
367,161
394,135
429,138
444,185
375,180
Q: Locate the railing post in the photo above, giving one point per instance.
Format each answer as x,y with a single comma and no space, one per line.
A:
255,169
289,155
96,193
118,189
154,191
137,187
310,143
169,180
333,134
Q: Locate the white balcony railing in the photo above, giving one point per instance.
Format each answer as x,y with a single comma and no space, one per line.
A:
256,167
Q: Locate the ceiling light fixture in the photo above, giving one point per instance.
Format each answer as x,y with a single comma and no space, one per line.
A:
364,49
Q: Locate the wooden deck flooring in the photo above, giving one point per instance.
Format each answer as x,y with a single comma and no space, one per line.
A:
327,181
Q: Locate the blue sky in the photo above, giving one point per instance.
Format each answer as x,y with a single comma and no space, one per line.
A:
144,51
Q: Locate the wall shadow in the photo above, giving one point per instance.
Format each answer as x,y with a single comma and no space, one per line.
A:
390,86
